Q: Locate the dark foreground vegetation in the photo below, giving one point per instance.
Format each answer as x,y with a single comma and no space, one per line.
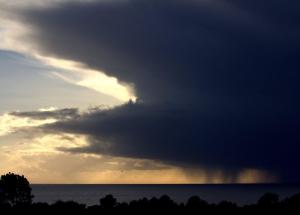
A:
16,198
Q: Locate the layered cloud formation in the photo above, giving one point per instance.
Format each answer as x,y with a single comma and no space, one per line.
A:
216,81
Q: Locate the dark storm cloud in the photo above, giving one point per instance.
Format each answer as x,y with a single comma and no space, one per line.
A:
183,137
189,51
218,81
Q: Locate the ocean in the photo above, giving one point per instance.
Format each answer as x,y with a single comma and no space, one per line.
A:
90,194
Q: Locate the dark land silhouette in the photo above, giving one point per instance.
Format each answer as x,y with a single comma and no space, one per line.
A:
16,198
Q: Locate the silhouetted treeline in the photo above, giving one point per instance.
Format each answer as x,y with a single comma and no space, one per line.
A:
16,198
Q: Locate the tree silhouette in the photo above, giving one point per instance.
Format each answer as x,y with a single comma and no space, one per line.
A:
293,202
15,190
1,196
108,202
268,199
16,198
195,203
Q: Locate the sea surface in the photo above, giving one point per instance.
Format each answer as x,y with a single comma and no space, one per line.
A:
90,194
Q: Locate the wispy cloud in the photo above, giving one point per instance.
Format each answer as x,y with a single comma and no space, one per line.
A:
10,123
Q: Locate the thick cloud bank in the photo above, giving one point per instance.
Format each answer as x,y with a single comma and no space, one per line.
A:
218,81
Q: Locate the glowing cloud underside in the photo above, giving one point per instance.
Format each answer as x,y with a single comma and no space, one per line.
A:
78,74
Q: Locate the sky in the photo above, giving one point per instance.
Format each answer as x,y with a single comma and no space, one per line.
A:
146,91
